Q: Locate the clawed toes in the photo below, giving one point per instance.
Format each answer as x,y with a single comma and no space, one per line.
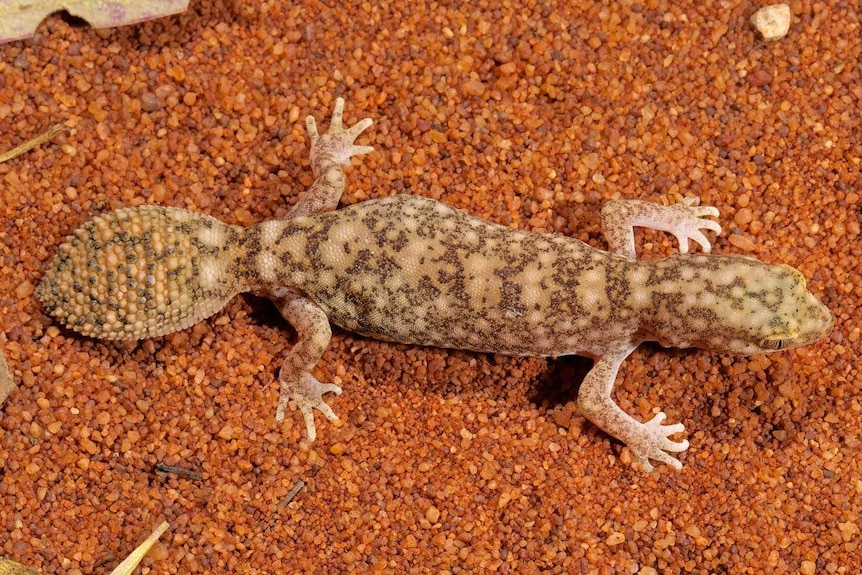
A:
337,143
308,396
353,132
655,443
690,220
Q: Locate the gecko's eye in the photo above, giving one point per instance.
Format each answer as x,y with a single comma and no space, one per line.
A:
773,344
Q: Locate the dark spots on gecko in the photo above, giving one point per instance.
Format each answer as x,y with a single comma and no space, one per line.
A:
510,299
617,286
769,299
453,282
368,262
426,291
399,242
247,240
243,267
703,314
661,275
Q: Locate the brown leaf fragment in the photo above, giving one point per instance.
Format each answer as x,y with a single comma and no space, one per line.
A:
20,18
7,386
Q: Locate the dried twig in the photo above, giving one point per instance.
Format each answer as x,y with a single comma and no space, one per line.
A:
297,487
129,563
162,468
7,384
30,144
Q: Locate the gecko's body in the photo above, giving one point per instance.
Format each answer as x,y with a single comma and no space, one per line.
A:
413,270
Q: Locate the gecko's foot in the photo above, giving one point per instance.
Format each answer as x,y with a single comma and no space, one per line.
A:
688,218
654,443
336,145
307,392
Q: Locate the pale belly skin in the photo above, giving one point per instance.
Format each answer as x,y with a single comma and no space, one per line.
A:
412,270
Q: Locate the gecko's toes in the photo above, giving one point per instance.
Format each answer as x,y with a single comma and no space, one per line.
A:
703,211
310,428
337,143
337,113
656,443
307,393
658,456
343,155
358,128
311,128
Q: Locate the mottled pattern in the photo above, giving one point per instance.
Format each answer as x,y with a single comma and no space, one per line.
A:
413,270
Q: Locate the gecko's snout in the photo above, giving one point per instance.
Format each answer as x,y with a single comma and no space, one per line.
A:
820,320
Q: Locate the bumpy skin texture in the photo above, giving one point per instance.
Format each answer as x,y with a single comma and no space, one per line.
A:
142,272
413,270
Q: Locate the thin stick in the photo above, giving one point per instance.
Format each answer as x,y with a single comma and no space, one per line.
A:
162,468
297,487
29,145
130,562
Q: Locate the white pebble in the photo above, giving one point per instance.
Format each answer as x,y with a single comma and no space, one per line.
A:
772,22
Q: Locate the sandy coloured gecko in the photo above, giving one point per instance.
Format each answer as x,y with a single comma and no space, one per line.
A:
413,270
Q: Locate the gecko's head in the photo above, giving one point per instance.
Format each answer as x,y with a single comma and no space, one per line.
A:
741,305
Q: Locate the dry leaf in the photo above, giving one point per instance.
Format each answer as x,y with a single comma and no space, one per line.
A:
7,385
8,567
19,18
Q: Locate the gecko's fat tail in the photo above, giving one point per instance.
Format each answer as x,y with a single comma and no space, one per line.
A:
138,273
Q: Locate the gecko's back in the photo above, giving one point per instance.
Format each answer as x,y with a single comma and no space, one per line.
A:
413,270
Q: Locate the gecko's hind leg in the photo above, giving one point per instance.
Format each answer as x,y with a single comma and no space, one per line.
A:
297,383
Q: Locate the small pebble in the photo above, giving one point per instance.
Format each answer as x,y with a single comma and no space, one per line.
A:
473,88
772,22
759,78
150,102
432,514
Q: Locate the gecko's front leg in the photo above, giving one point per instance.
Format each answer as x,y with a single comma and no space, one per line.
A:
684,220
648,440
297,383
328,153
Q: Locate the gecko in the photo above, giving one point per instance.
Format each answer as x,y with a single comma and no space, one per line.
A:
413,270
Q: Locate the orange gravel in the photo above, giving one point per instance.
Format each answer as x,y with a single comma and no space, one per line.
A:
530,114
